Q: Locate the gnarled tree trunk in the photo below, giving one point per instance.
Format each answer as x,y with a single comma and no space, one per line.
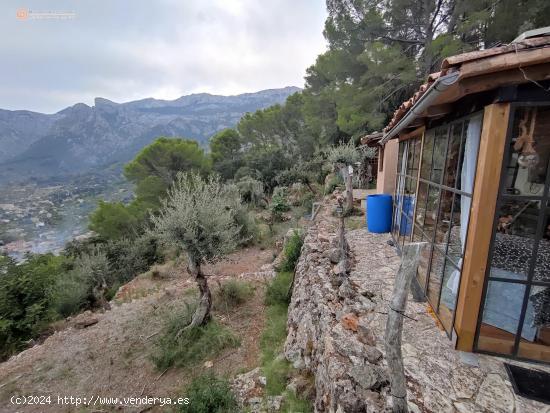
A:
348,180
202,313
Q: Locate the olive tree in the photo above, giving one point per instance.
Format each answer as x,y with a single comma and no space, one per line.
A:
198,218
342,157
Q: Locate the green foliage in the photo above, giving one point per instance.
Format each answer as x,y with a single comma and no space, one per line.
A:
296,174
232,294
226,154
279,203
209,394
193,344
86,284
277,290
291,252
128,258
343,154
251,191
163,159
27,299
276,369
199,217
114,220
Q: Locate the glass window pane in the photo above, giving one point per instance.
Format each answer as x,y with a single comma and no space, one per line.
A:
535,333
438,160
457,232
410,156
453,153
465,126
449,294
423,265
427,151
417,234
542,266
514,239
416,144
432,208
436,273
501,314
400,156
421,204
527,164
444,222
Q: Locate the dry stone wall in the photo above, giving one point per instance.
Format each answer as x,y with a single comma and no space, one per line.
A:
328,327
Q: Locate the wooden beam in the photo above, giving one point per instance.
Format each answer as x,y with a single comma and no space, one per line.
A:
491,81
503,62
480,227
413,134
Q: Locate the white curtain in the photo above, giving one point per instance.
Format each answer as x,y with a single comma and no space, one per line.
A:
469,164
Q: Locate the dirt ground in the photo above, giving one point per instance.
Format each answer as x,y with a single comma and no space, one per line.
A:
112,358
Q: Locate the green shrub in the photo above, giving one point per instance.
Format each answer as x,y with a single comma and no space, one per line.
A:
194,344
130,257
27,299
251,191
71,295
334,181
279,203
277,290
231,294
209,394
291,252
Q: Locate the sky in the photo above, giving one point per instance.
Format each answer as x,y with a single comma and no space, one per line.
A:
125,50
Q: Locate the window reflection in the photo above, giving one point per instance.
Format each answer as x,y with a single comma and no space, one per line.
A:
453,154
501,312
449,293
432,207
427,152
515,238
436,274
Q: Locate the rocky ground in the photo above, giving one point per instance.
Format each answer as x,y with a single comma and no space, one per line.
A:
107,354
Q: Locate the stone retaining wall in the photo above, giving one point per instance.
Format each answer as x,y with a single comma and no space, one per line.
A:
328,328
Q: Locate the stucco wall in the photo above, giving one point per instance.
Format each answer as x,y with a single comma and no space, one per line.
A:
386,178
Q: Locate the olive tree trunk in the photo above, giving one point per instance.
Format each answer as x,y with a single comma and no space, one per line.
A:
348,180
202,313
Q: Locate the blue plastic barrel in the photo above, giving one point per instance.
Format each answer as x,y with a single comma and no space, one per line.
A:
379,213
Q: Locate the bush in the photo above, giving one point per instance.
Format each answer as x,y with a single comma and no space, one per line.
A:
27,299
334,181
86,284
291,252
194,344
231,294
129,258
251,191
279,203
209,394
277,291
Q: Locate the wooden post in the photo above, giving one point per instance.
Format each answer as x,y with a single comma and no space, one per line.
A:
480,225
394,324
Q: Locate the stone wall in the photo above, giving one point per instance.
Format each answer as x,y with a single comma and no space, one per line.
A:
328,328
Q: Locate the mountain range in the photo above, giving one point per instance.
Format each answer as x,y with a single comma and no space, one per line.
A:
84,138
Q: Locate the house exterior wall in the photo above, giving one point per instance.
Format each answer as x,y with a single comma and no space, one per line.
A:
385,183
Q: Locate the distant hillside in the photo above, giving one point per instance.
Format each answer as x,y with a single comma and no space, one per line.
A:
81,138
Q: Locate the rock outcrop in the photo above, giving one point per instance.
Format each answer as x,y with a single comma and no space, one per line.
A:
328,328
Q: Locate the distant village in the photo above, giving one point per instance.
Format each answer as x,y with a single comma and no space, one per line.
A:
39,218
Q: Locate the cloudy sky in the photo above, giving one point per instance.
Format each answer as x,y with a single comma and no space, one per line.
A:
131,49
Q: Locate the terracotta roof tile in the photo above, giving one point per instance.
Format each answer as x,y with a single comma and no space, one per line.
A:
453,64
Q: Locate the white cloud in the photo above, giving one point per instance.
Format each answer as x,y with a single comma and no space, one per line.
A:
131,49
